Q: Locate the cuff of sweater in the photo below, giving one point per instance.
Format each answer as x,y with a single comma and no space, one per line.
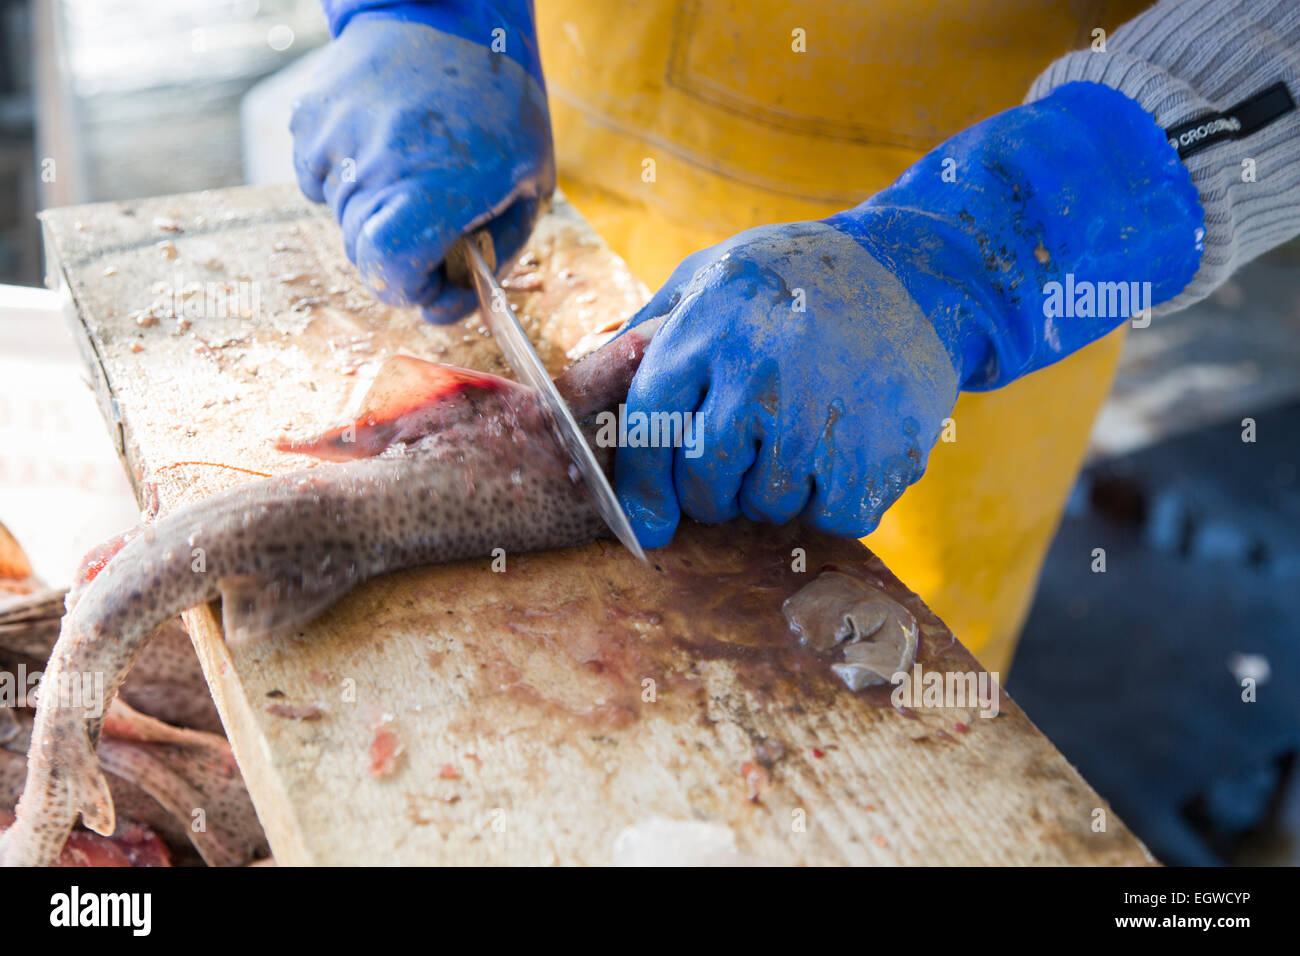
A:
1248,187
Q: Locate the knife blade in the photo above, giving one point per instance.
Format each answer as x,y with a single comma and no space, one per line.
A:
467,256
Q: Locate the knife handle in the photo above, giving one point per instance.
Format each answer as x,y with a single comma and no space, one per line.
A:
456,262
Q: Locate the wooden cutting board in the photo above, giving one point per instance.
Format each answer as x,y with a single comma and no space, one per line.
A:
573,707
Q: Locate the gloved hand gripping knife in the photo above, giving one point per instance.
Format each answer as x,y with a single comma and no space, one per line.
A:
425,122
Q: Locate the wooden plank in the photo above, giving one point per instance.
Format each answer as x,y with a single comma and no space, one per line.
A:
577,707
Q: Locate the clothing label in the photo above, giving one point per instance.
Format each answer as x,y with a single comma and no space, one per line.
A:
1241,120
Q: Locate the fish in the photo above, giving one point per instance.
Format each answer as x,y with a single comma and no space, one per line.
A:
442,464
168,765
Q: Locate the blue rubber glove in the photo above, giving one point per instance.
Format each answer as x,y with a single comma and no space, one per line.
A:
944,281
416,132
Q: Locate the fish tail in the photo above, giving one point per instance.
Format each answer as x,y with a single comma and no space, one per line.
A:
50,804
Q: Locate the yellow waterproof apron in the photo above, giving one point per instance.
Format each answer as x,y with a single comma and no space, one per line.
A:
679,123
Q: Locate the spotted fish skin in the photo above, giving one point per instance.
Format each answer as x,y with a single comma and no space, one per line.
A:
281,550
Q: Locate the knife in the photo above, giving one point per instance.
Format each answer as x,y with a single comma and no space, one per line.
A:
467,263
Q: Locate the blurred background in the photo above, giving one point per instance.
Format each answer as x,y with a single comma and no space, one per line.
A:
1135,674
104,100
134,98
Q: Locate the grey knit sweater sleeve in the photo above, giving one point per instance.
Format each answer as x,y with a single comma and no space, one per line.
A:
1184,59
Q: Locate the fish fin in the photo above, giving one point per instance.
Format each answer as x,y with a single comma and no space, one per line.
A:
400,406
64,780
405,384
88,788
255,606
